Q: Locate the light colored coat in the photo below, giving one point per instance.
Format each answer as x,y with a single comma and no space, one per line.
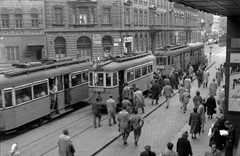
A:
187,83
138,99
205,76
167,91
201,111
218,75
111,105
169,153
123,118
180,92
213,88
185,97
63,144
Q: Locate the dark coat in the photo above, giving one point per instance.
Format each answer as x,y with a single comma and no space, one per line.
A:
150,153
211,105
155,91
184,147
172,79
194,122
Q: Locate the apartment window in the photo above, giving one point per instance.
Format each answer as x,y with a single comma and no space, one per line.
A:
83,14
5,20
136,17
158,3
60,47
165,19
34,18
13,53
106,15
127,16
151,18
86,15
145,19
141,2
136,1
58,15
18,19
145,2
141,17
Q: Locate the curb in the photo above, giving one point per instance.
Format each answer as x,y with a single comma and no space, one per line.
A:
144,116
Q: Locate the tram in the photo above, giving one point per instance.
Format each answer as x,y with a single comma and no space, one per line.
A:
108,77
174,57
25,91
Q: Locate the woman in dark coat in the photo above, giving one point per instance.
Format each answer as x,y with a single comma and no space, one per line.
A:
211,106
183,145
194,123
155,92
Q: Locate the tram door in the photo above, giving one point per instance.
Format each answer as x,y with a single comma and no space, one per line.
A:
61,93
67,90
121,83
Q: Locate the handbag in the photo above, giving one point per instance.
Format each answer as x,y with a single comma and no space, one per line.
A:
71,148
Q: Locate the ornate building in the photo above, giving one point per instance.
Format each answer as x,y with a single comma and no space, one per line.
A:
21,31
205,22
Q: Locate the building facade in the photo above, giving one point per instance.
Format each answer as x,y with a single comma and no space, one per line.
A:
21,31
205,22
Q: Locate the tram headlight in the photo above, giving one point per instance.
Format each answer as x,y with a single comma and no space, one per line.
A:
99,99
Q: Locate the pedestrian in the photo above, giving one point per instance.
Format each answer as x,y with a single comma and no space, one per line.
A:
96,113
166,80
147,151
128,104
169,151
161,84
126,91
197,99
172,79
201,111
185,99
65,144
137,123
181,90
138,100
221,99
111,108
218,76
187,83
191,72
53,94
199,75
213,151
124,128
183,145
167,92
205,78
194,123
213,88
176,74
155,92
132,90
230,138
14,150
222,71
211,106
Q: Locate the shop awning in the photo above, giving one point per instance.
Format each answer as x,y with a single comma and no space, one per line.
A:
35,44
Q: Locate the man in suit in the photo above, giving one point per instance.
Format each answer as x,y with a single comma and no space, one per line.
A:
111,108
124,128
185,99
169,151
155,92
183,145
137,123
96,113
63,143
218,76
148,151
167,92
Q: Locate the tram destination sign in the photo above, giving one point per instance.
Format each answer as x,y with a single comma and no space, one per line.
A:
98,89
234,91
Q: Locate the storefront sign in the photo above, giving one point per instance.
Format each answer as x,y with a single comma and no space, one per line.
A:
235,57
234,91
128,39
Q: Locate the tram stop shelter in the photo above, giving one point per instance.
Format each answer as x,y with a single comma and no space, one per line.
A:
231,9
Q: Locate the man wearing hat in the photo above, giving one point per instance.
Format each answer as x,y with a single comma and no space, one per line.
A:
148,151
185,99
230,137
183,145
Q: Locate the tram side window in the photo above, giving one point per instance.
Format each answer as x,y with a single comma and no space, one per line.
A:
99,79
40,90
91,79
76,79
150,68
1,99
130,75
115,79
108,79
169,60
137,73
8,98
23,95
85,77
144,70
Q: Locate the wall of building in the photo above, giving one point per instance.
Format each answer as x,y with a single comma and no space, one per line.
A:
15,33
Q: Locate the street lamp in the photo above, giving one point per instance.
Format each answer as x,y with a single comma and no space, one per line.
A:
210,54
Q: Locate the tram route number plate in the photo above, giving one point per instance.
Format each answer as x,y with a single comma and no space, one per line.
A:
98,89
160,67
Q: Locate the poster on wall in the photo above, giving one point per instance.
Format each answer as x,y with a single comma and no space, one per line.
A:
234,90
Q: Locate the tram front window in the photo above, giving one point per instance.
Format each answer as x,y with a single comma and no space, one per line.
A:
115,80
161,61
76,79
99,79
108,79
130,75
85,77
8,98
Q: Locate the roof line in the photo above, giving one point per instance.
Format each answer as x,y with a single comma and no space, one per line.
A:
217,5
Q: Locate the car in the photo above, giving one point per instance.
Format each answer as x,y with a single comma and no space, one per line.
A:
210,42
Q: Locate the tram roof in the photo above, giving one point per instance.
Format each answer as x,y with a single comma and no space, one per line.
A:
115,66
40,75
196,45
218,7
173,52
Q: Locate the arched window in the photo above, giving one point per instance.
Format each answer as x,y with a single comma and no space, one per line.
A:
107,44
84,46
60,47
